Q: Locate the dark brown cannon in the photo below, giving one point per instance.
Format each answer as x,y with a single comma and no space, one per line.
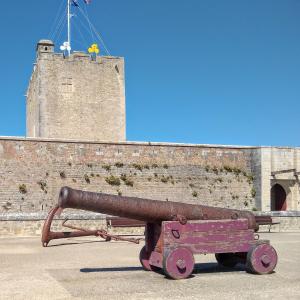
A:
176,231
151,211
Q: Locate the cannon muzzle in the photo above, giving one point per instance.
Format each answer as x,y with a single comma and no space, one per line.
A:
151,211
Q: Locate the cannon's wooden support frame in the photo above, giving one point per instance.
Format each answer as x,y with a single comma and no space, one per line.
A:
171,246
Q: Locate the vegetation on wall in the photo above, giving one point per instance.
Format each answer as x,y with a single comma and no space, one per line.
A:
62,174
87,178
43,186
112,180
207,182
107,167
194,194
23,188
127,181
119,165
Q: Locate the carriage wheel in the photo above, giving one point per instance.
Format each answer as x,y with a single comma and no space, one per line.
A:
178,263
144,259
228,260
261,259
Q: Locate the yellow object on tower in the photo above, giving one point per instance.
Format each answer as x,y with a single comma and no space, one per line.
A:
94,49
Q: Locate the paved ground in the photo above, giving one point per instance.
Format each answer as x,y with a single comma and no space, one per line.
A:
88,269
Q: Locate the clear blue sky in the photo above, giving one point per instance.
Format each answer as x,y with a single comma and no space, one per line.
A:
213,71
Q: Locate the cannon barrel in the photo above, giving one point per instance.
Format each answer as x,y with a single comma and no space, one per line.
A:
151,211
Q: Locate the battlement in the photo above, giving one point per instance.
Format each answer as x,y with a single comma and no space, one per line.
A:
77,55
80,96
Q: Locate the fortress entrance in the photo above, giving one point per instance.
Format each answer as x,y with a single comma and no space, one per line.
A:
278,198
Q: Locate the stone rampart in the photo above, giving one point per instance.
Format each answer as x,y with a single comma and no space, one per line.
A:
32,171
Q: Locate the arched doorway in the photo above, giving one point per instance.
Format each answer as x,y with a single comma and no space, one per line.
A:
278,198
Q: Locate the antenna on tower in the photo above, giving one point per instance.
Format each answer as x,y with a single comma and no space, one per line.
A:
67,13
66,46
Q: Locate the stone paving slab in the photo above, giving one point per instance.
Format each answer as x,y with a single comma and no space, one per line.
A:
86,268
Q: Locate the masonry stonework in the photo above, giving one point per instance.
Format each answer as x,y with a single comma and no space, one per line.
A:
281,166
77,96
33,171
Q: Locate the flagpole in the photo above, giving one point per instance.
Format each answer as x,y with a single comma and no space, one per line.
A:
69,27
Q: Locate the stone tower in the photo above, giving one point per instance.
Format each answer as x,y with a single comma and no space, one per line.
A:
76,97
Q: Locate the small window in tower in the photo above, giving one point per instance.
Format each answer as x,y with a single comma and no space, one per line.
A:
117,69
66,85
46,48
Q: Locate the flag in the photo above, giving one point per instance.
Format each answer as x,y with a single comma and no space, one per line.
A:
75,3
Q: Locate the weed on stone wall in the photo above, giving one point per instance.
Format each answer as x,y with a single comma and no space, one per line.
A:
123,177
43,186
23,188
126,180
7,205
129,182
87,178
250,178
62,175
138,167
112,180
164,179
106,167
215,170
119,165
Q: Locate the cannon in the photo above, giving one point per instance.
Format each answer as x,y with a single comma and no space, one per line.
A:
175,232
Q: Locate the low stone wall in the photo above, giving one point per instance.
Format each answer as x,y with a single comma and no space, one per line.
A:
31,224
288,221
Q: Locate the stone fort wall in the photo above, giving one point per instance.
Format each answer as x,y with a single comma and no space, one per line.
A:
32,171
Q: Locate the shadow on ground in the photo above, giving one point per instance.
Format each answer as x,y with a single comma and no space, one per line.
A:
116,269
199,268
76,243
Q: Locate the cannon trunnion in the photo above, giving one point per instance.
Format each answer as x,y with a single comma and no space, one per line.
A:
174,232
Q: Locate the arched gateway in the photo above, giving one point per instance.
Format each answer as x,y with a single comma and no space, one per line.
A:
278,198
